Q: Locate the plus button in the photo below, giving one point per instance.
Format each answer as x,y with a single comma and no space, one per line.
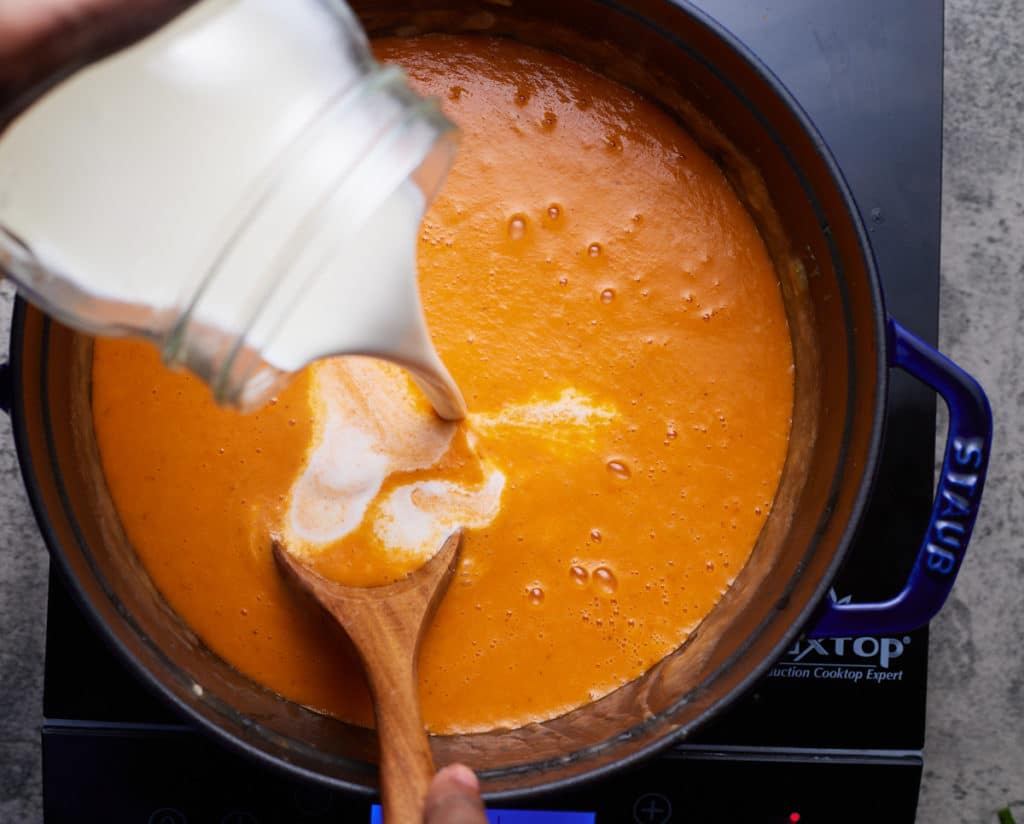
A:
652,808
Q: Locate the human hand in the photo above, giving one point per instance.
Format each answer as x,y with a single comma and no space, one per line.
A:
43,40
454,798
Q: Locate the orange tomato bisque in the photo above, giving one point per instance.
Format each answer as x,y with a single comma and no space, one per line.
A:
614,320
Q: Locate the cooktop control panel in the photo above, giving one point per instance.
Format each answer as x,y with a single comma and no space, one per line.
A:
197,784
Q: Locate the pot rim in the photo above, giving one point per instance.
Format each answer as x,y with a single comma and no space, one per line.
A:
843,544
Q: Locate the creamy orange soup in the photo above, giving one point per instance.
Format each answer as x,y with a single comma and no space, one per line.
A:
613,318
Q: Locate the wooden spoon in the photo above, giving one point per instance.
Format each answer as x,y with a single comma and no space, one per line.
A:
386,624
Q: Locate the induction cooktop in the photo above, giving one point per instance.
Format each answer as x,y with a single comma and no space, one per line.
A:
834,731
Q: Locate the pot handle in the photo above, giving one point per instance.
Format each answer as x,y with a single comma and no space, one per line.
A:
956,503
5,388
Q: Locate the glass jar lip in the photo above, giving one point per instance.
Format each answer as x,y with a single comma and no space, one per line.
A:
416,144
250,380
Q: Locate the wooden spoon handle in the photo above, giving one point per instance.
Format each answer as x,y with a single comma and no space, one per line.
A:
406,763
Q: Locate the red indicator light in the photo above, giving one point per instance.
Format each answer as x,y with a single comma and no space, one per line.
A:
794,817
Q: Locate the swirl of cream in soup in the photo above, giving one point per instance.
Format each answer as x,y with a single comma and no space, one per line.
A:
370,424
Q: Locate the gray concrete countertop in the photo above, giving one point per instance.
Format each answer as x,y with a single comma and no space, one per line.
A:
974,753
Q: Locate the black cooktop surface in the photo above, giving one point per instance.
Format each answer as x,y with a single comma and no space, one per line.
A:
833,733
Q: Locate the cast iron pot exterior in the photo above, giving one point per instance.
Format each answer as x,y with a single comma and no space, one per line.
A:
844,345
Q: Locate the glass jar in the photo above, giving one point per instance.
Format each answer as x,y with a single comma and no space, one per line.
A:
244,188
